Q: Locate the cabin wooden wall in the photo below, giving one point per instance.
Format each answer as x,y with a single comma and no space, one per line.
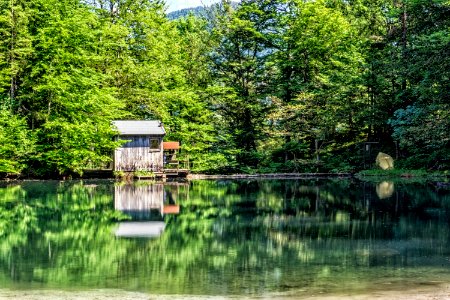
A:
137,155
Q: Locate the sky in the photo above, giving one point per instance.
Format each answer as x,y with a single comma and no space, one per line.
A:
180,4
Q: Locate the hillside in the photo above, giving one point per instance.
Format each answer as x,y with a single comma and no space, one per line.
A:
199,11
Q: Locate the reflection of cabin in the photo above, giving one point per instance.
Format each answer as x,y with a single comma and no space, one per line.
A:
143,149
146,205
140,202
140,229
144,202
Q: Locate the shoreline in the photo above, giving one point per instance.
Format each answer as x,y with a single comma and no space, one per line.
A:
427,292
191,176
270,176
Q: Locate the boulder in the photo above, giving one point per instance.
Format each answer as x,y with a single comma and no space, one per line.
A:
385,161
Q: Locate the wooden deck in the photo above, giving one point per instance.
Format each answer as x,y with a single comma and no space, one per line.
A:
166,173
106,174
176,172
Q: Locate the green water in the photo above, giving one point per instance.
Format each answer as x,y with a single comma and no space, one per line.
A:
247,237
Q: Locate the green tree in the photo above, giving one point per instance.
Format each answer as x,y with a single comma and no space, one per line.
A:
161,71
67,98
421,121
15,47
16,143
190,119
239,64
318,78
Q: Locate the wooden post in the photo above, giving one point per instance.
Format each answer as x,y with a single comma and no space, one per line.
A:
316,143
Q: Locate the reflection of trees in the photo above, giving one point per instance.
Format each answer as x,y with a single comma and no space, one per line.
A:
230,237
313,225
54,229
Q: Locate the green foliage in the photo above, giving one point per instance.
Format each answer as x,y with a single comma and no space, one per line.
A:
15,46
87,70
239,67
290,150
119,174
318,66
68,147
422,127
17,143
254,86
143,173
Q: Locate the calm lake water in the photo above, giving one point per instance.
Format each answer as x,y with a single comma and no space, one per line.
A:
224,237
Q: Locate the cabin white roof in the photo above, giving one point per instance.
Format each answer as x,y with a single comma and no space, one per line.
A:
139,127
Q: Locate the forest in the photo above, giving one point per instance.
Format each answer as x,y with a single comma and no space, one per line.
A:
256,87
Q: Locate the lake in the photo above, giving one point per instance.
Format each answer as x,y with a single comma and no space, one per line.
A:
225,238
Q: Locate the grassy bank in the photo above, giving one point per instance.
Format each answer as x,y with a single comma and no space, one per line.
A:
403,174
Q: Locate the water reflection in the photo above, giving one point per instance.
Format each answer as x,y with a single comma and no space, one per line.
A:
139,201
140,229
146,202
385,189
229,238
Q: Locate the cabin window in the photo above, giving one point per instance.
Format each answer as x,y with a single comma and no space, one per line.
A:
154,144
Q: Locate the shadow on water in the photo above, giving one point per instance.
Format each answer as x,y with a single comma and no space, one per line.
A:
224,237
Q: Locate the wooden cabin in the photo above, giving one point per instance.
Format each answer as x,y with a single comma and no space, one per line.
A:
143,150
